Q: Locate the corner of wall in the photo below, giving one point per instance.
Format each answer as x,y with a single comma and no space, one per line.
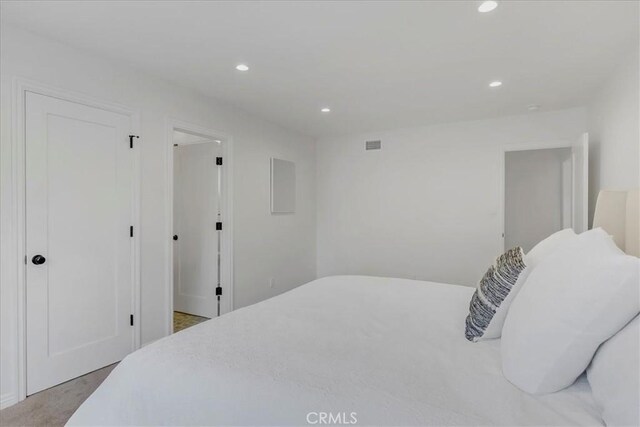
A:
613,118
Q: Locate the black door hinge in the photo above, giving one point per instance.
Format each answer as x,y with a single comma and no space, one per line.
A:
218,226
219,291
131,140
131,319
219,161
131,231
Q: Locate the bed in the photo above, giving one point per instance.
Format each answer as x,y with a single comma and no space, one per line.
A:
339,350
391,351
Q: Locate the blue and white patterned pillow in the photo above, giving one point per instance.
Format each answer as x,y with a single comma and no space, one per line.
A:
491,300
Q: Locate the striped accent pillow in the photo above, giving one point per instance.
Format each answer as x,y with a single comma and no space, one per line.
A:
492,298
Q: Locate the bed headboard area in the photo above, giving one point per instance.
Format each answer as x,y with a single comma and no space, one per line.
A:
617,212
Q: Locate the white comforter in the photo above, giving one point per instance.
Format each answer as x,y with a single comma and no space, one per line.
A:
391,351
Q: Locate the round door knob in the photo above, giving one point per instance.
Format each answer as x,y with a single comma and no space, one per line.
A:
38,259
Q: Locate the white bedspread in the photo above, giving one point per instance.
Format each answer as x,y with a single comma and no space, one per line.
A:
390,350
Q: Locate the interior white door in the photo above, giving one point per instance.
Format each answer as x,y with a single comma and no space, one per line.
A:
79,253
195,217
580,152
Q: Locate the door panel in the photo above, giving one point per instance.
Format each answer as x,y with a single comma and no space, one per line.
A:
581,184
195,216
79,193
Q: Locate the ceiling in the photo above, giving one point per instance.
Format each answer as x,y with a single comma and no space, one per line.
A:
377,65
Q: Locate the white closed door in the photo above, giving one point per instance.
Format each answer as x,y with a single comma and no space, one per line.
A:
79,252
195,216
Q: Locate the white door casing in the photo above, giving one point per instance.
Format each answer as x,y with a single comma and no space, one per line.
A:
195,216
79,202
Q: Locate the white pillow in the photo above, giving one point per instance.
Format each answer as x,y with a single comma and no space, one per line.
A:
531,259
614,375
548,246
575,299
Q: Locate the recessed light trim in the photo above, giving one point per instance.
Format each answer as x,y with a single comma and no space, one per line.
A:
487,6
496,83
325,110
242,67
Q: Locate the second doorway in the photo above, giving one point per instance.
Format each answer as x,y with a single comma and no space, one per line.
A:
197,219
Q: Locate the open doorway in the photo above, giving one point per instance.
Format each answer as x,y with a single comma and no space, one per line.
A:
200,276
545,190
537,195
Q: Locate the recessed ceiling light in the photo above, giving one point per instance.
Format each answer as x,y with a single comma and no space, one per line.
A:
217,140
533,107
487,6
326,110
242,67
495,84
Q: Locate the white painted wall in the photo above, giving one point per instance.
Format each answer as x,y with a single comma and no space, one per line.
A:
614,131
265,246
535,197
427,205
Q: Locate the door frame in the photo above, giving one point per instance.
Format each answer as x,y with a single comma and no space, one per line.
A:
226,264
526,147
18,131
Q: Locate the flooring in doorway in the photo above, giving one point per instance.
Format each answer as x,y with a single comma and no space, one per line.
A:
183,320
54,406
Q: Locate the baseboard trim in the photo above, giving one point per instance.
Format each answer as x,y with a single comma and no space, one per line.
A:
8,399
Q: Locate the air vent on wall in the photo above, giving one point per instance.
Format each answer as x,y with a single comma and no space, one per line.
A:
373,145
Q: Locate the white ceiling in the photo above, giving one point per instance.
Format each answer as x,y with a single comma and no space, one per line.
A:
378,65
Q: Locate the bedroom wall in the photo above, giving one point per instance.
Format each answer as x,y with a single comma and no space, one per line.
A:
280,247
427,205
614,131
